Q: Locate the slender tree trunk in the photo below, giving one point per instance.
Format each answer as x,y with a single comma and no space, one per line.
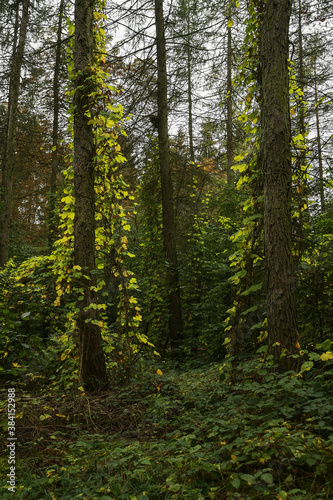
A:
301,70
169,242
92,363
189,90
320,156
189,85
230,149
54,170
8,162
276,157
301,161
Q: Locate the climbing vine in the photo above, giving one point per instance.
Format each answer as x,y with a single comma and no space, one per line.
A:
248,310
118,312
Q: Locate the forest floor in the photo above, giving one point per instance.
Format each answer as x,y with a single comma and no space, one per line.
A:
214,432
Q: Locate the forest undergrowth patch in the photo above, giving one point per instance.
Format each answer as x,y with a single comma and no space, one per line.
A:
218,432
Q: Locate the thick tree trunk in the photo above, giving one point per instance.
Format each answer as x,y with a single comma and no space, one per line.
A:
276,157
92,363
230,149
169,242
54,170
8,162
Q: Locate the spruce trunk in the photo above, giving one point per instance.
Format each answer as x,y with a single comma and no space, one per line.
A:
54,169
169,241
8,162
230,149
276,157
320,155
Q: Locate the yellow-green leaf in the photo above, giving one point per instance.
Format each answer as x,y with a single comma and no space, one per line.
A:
326,356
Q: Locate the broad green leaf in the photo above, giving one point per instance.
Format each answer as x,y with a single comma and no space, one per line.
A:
236,482
248,478
267,477
325,346
306,366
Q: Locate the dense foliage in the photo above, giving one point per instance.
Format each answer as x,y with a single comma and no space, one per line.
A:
229,404
210,432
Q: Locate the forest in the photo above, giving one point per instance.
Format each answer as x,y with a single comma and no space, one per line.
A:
166,249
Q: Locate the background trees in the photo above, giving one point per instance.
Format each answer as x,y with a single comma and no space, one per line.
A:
7,172
199,94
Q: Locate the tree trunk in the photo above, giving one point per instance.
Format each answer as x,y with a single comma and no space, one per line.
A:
189,85
92,363
189,90
301,70
276,157
52,201
230,150
320,156
169,243
301,160
8,162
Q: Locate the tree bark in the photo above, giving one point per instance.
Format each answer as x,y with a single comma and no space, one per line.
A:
92,362
276,157
189,84
301,70
302,187
189,90
320,156
54,169
230,149
8,162
169,242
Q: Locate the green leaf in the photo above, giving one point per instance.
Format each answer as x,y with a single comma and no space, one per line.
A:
325,346
251,309
314,356
236,482
267,477
248,478
44,417
306,366
252,288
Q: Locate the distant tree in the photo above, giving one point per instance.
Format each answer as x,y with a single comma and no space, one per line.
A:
55,129
8,160
230,142
169,239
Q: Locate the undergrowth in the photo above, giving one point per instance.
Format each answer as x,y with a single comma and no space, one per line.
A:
218,432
